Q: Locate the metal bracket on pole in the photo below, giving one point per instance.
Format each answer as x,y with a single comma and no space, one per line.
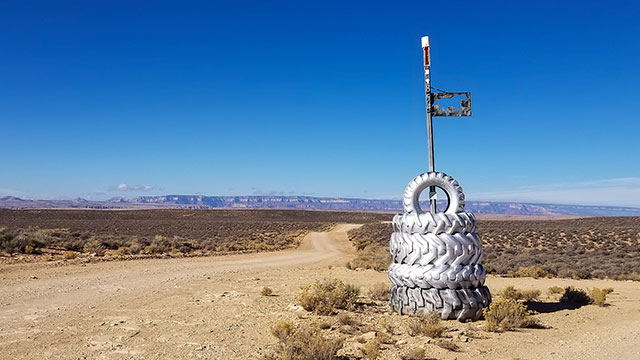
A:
434,109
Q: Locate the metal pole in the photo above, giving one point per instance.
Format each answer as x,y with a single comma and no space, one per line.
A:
427,94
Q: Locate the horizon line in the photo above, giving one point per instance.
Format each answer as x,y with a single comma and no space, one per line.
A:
318,197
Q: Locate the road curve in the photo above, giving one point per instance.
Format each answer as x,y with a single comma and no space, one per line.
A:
37,300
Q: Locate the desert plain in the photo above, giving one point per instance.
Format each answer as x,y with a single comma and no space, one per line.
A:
176,299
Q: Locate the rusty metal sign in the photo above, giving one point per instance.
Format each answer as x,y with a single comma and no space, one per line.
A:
463,109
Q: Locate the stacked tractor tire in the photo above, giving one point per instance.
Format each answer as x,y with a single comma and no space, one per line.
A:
436,257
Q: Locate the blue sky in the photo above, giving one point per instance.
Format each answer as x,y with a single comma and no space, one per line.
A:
109,98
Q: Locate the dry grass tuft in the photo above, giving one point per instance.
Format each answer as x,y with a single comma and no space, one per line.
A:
379,291
349,330
531,322
94,247
134,249
415,327
306,344
282,330
510,292
555,290
633,276
447,344
324,297
384,337
507,314
599,296
323,324
346,319
372,257
429,325
266,291
388,326
371,350
414,354
530,295
534,272
70,255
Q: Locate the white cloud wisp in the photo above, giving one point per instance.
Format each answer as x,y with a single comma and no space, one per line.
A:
607,192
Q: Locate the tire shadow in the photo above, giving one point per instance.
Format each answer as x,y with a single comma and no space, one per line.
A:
549,307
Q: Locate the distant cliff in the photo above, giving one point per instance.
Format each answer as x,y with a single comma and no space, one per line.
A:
306,203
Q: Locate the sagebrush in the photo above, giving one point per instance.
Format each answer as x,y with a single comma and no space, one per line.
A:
429,325
507,314
324,297
510,292
573,248
575,297
379,291
371,257
304,343
179,231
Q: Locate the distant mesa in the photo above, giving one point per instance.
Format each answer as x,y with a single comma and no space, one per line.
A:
305,203
11,198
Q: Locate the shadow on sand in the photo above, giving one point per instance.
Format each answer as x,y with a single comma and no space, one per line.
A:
549,307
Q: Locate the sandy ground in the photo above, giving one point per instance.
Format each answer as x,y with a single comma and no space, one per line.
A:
211,308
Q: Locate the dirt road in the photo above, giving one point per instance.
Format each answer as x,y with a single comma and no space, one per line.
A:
115,309
211,308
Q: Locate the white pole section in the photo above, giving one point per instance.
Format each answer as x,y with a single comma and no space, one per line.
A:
426,48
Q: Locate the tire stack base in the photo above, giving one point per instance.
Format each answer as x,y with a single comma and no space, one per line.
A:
460,304
436,257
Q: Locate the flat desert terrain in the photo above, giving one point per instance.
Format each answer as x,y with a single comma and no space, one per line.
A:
212,308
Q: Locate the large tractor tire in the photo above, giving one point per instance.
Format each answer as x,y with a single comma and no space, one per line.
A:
428,223
439,277
460,304
411,197
451,249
